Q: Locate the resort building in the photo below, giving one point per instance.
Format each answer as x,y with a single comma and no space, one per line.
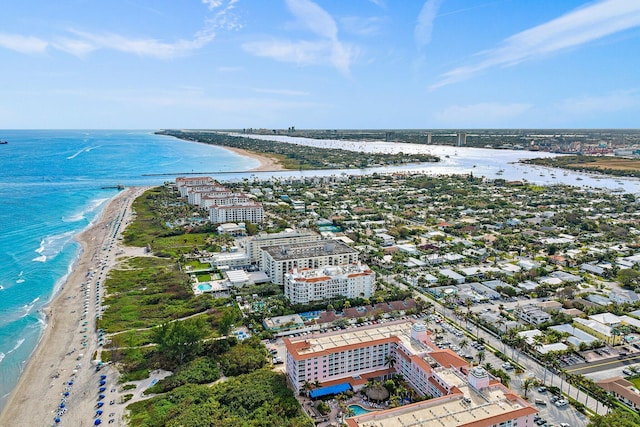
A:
284,238
474,401
460,396
249,211
279,260
303,286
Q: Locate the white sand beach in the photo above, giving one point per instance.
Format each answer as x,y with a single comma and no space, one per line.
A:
60,379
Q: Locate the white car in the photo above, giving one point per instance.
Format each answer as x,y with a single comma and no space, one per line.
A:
560,403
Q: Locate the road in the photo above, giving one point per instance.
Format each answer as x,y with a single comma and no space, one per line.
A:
531,366
611,363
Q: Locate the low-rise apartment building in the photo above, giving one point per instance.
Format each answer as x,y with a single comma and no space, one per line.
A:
531,314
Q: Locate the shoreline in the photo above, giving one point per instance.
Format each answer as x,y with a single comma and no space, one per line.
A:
59,375
267,163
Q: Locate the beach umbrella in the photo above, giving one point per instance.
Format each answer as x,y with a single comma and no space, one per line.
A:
66,393
99,412
56,420
102,389
70,382
62,405
97,422
101,396
102,377
99,404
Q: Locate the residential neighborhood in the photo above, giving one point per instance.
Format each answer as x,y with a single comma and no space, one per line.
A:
449,293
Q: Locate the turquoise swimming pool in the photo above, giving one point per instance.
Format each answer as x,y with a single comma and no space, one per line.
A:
205,287
358,410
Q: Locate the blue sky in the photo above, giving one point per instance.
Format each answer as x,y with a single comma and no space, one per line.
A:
324,64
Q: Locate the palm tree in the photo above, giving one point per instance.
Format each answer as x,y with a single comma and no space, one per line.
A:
390,361
306,387
528,385
481,357
463,344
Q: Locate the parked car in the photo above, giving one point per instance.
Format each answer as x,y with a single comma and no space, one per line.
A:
560,403
541,402
542,389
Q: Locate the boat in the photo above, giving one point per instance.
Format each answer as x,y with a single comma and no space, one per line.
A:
4,142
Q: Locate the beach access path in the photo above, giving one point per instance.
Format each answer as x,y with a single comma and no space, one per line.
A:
60,385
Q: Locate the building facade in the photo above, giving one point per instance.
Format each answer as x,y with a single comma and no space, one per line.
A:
351,281
279,260
457,395
245,212
284,238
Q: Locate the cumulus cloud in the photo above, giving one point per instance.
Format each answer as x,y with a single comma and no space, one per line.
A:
571,30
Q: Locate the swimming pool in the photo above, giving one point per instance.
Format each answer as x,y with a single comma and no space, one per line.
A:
205,287
358,410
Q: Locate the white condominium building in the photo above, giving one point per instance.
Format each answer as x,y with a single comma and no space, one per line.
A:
351,280
186,184
284,238
279,260
250,211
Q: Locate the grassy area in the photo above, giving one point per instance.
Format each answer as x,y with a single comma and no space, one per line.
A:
151,291
635,381
203,277
197,265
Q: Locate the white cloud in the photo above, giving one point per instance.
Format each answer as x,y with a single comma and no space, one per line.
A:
74,46
23,44
84,42
146,47
609,103
362,26
424,27
573,29
308,52
486,114
288,92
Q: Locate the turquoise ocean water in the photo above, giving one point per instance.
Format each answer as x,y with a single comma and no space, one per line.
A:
50,190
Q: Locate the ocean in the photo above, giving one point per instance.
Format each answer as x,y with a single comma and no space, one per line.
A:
51,188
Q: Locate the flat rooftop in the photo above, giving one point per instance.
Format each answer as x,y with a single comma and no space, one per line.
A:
308,250
331,341
494,404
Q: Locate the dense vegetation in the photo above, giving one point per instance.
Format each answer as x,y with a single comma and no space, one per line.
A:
294,157
269,403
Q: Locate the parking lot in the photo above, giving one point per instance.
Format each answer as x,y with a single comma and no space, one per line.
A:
555,415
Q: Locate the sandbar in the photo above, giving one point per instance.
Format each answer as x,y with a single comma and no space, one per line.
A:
267,163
